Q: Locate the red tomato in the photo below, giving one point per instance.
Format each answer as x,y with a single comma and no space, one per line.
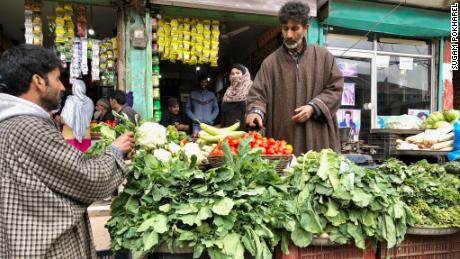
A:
263,151
270,151
234,142
271,141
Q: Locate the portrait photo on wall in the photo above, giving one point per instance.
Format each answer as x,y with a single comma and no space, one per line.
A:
421,114
348,69
350,118
348,94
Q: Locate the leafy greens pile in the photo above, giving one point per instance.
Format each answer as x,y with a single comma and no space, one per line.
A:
348,202
432,194
245,205
225,210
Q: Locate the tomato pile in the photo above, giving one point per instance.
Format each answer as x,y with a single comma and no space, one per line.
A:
111,123
268,146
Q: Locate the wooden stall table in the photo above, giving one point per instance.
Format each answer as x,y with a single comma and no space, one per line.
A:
412,156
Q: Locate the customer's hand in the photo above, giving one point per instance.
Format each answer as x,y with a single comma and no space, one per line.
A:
254,120
125,142
303,113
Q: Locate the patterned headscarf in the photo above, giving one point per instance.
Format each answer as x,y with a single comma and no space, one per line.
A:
239,87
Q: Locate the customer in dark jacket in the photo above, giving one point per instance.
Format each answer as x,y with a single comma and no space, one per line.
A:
173,116
234,101
118,103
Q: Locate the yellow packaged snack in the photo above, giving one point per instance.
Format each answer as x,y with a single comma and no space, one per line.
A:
199,49
199,28
214,54
215,25
207,25
174,47
199,39
215,35
207,34
214,45
207,44
186,45
59,11
186,36
206,54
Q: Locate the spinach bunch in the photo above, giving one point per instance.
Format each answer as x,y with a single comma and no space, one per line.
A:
432,194
350,203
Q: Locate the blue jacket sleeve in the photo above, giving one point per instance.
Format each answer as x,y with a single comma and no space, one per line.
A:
215,108
188,109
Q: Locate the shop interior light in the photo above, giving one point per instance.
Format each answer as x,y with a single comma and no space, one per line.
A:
209,79
91,31
198,68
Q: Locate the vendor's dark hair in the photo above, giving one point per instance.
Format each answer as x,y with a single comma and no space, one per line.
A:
20,63
240,67
173,101
202,77
294,10
118,96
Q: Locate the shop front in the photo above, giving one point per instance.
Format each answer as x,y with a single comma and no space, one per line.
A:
389,55
191,39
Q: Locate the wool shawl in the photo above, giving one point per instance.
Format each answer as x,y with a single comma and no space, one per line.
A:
284,84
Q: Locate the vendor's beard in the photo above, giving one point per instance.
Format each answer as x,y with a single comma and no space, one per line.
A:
293,45
97,114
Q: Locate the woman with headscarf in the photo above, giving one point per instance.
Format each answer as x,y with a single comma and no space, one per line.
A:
103,111
234,101
76,116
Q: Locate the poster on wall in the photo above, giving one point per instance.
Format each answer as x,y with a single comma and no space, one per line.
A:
350,118
348,69
348,94
447,76
421,114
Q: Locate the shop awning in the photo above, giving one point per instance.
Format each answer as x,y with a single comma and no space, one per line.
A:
262,7
378,17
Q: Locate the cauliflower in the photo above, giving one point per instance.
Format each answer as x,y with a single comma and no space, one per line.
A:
173,148
162,155
191,149
152,135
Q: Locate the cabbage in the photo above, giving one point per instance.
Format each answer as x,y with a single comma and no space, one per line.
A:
152,135
162,155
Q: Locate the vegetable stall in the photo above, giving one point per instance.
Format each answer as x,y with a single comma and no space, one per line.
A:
248,205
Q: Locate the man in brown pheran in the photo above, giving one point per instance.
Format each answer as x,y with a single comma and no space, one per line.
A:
298,88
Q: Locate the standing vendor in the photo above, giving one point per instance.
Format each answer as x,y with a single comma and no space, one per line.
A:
202,106
298,88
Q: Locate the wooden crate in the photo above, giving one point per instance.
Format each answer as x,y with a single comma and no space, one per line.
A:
386,139
327,252
425,247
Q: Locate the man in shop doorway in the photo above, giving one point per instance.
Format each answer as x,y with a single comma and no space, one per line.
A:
118,103
298,88
46,185
202,106
173,116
